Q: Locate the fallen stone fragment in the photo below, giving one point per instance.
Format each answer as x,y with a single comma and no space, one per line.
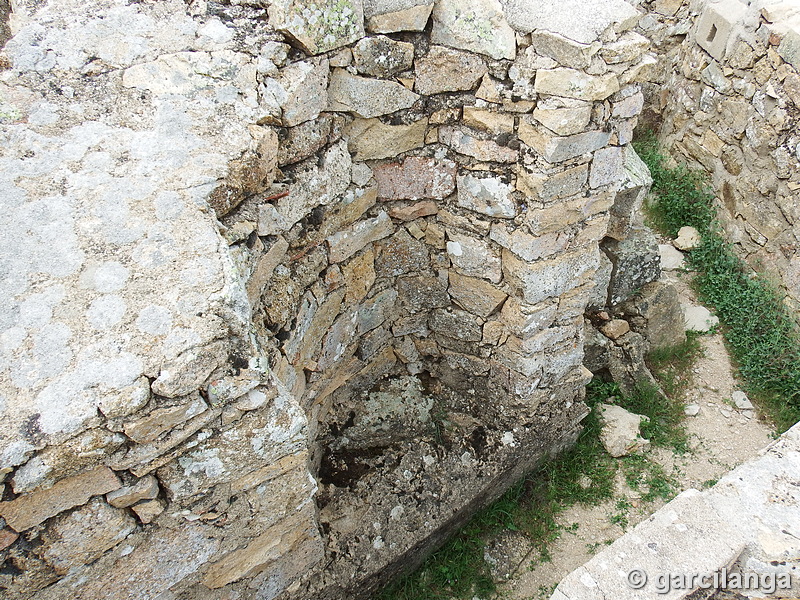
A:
144,489
698,318
615,328
692,410
741,400
620,430
688,239
671,259
29,510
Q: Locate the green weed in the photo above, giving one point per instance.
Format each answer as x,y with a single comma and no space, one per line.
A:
761,333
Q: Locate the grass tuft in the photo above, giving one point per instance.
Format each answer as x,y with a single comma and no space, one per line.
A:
762,335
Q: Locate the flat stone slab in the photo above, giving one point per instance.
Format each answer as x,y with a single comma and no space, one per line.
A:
755,508
671,258
698,318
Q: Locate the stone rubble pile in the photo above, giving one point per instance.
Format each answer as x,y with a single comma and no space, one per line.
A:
293,287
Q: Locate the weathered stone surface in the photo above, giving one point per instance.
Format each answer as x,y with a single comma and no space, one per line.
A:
422,293
494,122
475,295
252,173
401,254
479,27
473,257
143,569
416,178
559,149
457,324
636,263
144,489
157,422
7,537
260,438
371,139
375,311
359,275
84,535
365,97
319,25
464,143
658,305
670,257
548,278
299,89
626,210
344,244
564,121
557,216
266,264
414,211
381,56
607,167
527,246
548,187
629,47
149,510
570,17
30,510
58,462
296,534
487,195
629,107
307,138
313,320
567,52
316,183
571,83
620,430
446,70
389,16
525,320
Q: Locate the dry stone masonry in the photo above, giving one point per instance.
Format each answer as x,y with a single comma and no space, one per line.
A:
728,94
291,288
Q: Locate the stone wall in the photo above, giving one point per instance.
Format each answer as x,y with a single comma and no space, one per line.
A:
294,288
729,105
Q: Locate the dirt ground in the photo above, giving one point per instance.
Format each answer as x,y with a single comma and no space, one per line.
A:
721,437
